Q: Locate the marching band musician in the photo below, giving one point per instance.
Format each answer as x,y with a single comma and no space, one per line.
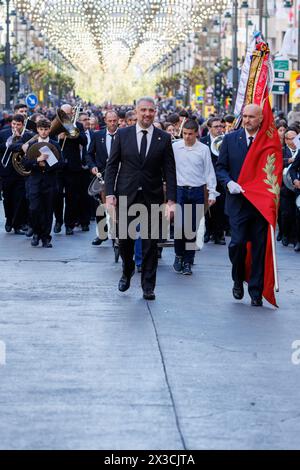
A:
71,179
42,186
14,200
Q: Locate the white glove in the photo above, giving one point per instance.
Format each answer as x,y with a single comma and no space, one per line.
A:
234,188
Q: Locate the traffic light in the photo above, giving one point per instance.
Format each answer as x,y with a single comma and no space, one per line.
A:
15,82
218,86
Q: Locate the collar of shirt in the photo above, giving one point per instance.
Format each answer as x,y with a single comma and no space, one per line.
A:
181,145
108,133
44,140
248,135
150,129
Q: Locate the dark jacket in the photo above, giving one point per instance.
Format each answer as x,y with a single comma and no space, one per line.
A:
97,152
134,173
47,172
72,150
233,152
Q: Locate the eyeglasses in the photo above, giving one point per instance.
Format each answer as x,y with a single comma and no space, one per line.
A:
216,127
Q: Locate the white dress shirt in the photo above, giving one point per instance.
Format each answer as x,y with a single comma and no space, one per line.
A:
108,141
43,140
194,166
88,136
139,135
248,137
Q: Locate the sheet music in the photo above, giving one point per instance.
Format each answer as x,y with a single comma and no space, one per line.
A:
51,160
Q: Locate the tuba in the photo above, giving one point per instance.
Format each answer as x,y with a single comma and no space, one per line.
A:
62,123
216,144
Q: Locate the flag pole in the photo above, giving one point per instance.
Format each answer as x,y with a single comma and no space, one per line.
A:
274,258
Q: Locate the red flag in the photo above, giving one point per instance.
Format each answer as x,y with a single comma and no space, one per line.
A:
261,178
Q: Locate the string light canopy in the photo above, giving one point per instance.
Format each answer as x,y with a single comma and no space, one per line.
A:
106,33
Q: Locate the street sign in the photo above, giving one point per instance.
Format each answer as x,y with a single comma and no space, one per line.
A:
31,100
280,75
281,64
199,92
278,88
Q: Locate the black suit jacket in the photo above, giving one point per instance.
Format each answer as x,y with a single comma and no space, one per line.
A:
207,141
233,152
97,152
72,150
133,173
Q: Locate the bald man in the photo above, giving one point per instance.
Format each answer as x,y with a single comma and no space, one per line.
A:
247,224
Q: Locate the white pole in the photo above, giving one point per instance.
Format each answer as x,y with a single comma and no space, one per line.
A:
274,258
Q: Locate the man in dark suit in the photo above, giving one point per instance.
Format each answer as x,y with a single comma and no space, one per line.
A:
294,174
246,222
140,156
98,153
214,218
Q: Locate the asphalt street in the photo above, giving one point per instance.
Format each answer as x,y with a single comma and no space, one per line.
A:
87,367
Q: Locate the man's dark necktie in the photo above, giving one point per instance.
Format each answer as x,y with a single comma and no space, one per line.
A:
143,146
250,142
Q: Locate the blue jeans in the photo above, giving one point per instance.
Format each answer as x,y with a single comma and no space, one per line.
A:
185,236
138,249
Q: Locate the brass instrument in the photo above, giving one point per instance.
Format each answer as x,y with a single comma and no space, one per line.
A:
5,160
62,123
16,159
216,144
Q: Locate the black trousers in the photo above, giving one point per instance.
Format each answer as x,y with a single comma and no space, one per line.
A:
41,201
287,213
248,225
60,198
215,219
77,203
14,200
149,250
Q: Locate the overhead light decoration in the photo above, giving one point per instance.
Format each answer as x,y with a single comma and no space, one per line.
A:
115,33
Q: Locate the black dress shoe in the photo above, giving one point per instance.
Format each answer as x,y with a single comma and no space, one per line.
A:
47,244
97,241
18,231
124,282
8,227
186,270
139,269
238,290
220,241
35,240
279,237
57,227
148,294
256,302
85,228
29,232
285,241
69,231
206,238
297,247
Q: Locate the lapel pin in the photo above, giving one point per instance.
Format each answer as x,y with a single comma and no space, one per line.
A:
159,138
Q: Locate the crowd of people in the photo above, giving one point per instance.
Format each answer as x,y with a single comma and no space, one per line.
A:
180,168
